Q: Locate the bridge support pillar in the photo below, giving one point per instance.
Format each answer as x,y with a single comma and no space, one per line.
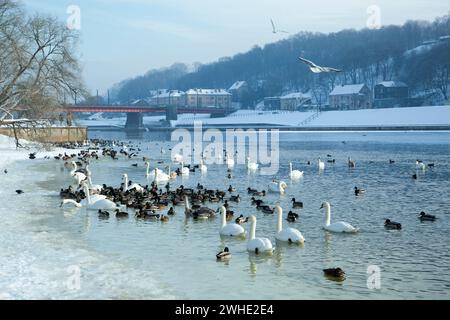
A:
134,121
171,113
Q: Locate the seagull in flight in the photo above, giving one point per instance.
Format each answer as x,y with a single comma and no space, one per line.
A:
318,69
275,30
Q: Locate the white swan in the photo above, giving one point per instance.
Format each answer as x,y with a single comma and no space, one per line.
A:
172,175
321,165
420,165
294,174
69,203
133,186
252,166
184,170
151,175
230,163
161,177
95,188
78,176
230,230
203,167
101,204
337,226
177,158
278,187
289,234
258,245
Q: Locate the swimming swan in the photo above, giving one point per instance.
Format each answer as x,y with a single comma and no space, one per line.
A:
102,204
289,234
78,176
184,170
278,187
151,175
133,186
230,163
337,226
252,166
258,245
203,167
230,230
69,203
161,177
294,174
321,165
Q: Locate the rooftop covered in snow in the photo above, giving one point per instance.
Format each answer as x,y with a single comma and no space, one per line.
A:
347,89
237,85
392,84
209,92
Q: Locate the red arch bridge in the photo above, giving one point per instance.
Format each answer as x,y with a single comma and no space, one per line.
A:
136,114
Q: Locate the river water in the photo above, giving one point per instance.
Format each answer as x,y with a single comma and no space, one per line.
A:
43,247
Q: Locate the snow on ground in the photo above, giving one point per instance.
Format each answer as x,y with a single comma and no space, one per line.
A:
9,153
280,118
120,122
418,116
415,116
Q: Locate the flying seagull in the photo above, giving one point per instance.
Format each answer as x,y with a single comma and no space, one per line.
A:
275,30
318,69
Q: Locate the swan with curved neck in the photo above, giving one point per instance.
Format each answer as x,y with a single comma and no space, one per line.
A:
294,174
101,204
230,230
278,187
69,203
339,227
78,176
133,186
161,177
289,235
152,174
172,175
258,245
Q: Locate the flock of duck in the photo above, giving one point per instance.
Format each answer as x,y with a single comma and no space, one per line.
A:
149,201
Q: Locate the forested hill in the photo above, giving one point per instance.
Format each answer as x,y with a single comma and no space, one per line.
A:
366,56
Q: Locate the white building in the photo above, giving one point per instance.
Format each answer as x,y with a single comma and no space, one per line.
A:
208,98
169,98
294,101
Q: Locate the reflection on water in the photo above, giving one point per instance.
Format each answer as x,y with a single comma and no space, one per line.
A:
179,257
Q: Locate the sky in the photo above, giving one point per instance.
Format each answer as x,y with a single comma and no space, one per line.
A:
121,39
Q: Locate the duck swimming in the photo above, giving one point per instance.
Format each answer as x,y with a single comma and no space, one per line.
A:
388,224
297,205
241,219
120,214
224,255
335,274
103,214
359,191
426,217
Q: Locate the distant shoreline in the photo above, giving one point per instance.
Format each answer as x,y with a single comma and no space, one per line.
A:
282,128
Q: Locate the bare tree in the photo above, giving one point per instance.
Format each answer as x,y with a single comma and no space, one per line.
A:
38,62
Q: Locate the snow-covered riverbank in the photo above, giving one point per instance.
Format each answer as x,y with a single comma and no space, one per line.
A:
401,117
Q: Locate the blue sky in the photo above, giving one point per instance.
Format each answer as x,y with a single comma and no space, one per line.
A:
125,38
